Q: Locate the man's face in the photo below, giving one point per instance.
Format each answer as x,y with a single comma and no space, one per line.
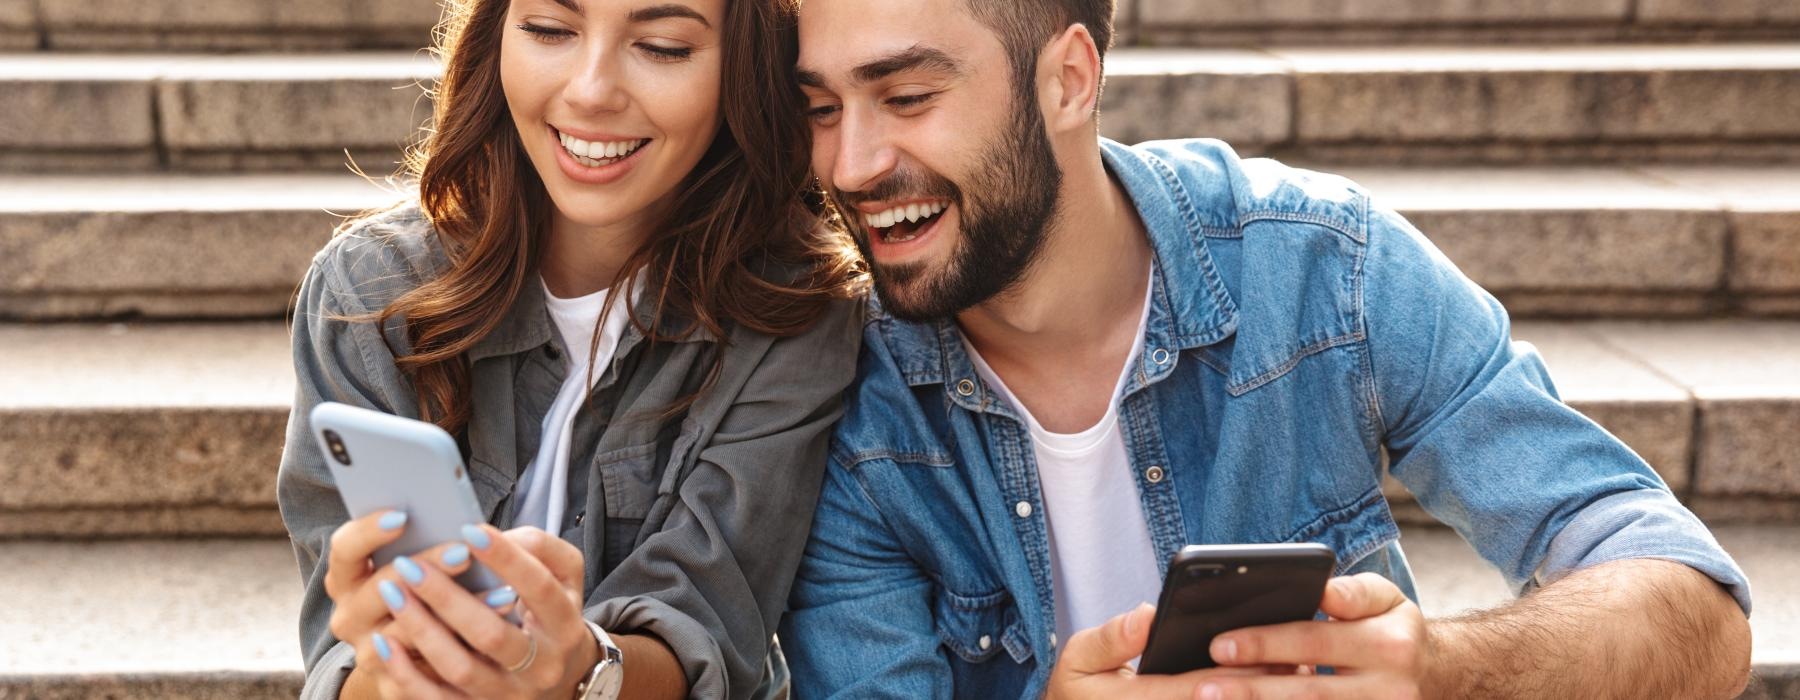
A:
940,165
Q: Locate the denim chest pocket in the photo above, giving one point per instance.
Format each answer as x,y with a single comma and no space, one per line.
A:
978,628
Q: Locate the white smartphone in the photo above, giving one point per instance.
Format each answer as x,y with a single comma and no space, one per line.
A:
384,462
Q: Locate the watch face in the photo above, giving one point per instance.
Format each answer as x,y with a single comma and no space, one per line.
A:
609,677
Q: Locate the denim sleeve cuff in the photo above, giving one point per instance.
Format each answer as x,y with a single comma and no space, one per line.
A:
1641,524
701,658
326,680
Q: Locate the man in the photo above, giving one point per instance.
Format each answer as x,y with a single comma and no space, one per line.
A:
1084,356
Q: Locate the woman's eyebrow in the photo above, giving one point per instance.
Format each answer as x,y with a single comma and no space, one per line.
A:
666,11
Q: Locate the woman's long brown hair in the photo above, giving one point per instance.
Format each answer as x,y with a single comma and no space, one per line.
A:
737,225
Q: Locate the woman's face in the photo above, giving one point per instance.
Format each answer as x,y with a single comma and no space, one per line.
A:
615,100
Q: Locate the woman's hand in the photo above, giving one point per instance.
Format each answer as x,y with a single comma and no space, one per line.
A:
354,584
474,651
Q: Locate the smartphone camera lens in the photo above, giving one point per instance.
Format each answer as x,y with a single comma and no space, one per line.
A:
336,445
1208,571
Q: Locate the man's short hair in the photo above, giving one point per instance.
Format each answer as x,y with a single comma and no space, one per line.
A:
1025,26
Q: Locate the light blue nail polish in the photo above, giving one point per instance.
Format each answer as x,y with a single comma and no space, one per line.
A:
394,520
456,555
409,570
381,646
391,595
502,597
476,536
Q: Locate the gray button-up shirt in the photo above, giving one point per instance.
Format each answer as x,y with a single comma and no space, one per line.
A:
691,525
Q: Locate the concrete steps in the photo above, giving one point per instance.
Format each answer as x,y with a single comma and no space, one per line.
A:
1653,242
191,25
1394,22
1631,103
176,429
219,618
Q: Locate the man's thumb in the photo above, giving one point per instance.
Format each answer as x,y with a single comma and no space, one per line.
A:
1111,645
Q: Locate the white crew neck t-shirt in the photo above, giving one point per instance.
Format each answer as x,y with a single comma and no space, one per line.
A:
1101,560
545,483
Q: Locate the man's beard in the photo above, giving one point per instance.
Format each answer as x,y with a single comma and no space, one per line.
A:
1004,217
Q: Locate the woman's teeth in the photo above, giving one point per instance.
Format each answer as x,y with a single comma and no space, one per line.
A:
594,154
884,222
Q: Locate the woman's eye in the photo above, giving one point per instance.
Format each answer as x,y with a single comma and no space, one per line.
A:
545,34
667,53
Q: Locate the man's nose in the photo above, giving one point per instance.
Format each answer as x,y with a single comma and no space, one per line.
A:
864,155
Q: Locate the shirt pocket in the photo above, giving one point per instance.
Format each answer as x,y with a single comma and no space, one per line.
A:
629,477
977,628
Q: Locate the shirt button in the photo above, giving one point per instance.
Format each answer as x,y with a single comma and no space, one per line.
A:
965,387
1052,640
1023,509
985,642
1154,474
1160,356
550,352
579,517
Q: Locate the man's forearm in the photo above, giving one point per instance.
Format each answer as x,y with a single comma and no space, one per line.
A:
1626,629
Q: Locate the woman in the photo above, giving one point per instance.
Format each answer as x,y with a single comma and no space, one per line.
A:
611,293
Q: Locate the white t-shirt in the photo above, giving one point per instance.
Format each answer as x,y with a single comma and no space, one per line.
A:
545,483
1101,560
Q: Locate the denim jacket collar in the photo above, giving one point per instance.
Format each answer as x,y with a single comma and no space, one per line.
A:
1190,305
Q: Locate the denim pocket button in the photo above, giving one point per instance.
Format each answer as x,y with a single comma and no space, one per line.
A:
1154,474
965,387
1159,356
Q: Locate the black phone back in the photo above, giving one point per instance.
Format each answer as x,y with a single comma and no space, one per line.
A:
1213,589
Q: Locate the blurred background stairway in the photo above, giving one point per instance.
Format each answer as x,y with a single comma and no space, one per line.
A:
1624,174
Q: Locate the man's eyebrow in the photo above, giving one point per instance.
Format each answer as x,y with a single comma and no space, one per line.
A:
666,11
915,58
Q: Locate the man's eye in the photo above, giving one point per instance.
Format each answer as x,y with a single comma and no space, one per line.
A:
822,113
911,100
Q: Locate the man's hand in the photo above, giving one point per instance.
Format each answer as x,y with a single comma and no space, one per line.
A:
1376,642
1094,664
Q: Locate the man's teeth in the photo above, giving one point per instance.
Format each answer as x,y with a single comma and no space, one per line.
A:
593,153
903,214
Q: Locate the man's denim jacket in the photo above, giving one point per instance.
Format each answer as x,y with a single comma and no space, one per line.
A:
1299,338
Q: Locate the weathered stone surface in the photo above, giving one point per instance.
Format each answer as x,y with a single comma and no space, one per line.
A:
1546,94
79,246
1340,13
1714,12
1764,210
1746,378
237,24
149,618
69,523
76,102
1239,96
271,103
1561,229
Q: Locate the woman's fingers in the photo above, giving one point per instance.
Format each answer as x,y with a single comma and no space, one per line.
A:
549,600
405,679
469,617
438,645
556,554
347,555
360,610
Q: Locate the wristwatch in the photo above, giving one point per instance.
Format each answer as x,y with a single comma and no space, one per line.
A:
603,682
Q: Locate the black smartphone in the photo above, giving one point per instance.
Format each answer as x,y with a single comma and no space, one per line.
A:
1213,589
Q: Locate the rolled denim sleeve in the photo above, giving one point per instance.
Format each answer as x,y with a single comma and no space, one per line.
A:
714,581
1475,429
861,623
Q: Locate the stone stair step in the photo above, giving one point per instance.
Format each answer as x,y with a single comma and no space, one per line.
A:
1392,22
1413,105
167,245
176,429
195,25
218,618
1648,242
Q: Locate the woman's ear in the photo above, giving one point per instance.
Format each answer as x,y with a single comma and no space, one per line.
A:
1070,74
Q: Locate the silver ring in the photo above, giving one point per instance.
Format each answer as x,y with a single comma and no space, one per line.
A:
530,654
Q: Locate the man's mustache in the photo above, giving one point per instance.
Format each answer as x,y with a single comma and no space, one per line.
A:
904,184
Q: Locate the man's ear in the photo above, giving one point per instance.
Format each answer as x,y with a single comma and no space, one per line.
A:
1070,75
